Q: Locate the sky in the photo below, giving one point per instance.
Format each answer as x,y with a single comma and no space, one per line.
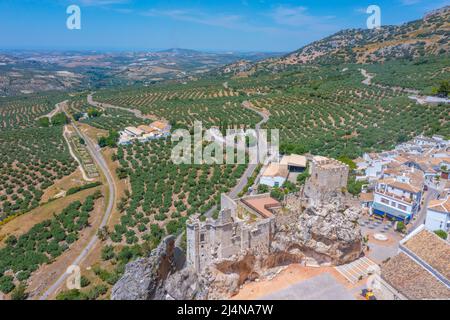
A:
212,25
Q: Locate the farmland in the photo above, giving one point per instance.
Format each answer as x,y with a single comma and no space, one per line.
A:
323,110
102,118
338,115
32,157
43,243
164,194
213,104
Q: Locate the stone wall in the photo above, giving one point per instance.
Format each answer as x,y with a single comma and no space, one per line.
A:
229,235
327,176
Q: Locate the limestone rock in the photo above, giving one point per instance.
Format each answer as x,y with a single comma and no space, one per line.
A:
326,232
144,278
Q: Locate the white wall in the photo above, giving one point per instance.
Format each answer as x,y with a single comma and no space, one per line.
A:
437,220
271,181
394,203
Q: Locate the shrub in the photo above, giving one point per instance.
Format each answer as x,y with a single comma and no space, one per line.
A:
19,293
400,226
6,284
84,282
441,234
73,294
108,253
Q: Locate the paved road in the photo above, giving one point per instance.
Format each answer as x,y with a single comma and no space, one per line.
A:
431,194
137,113
98,158
368,82
251,167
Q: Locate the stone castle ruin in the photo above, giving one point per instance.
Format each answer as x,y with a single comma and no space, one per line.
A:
250,224
240,227
250,237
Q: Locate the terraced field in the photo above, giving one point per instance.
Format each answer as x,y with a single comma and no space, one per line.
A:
32,158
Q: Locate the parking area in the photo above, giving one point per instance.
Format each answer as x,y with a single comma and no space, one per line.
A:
371,224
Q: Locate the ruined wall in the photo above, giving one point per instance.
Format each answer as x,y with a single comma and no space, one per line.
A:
222,238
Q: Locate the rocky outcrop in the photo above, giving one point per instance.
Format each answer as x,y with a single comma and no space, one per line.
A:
327,234
144,279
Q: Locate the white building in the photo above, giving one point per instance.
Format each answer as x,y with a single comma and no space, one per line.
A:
134,132
399,196
294,163
275,175
438,215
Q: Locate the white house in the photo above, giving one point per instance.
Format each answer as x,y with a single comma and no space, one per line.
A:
374,165
438,215
134,132
398,197
275,175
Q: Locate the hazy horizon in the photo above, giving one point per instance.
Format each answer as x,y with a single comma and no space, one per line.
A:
237,25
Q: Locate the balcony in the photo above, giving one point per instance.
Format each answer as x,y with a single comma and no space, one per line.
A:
391,195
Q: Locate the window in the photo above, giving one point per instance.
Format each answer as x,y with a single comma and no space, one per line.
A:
393,203
385,201
202,237
402,207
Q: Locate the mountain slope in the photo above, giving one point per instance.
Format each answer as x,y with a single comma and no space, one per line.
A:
429,36
425,37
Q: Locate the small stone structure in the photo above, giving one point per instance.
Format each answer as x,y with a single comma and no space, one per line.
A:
327,176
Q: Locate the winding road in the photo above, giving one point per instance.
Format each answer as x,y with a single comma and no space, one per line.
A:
251,167
137,113
98,158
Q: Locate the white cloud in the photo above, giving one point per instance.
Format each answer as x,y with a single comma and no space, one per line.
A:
228,21
299,17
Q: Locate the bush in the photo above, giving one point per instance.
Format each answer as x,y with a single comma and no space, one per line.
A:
73,294
400,226
6,284
354,187
262,188
277,194
302,177
44,122
84,187
108,253
60,119
441,234
84,282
